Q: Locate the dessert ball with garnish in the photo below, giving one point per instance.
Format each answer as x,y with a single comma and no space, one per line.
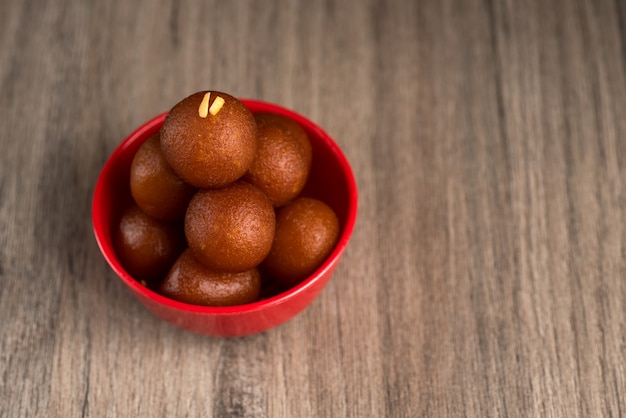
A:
209,139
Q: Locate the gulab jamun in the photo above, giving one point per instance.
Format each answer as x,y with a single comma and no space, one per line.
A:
307,230
209,139
231,228
281,167
156,189
147,247
192,282
292,127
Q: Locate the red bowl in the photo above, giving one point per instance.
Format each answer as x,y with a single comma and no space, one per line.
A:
330,180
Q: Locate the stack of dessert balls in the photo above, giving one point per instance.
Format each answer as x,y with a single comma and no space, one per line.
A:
217,211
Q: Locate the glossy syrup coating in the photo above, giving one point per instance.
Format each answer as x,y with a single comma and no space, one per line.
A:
156,189
146,247
306,232
231,228
209,139
281,166
191,282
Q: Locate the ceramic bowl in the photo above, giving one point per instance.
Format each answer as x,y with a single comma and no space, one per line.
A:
330,180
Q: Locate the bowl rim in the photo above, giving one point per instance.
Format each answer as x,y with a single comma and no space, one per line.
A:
151,126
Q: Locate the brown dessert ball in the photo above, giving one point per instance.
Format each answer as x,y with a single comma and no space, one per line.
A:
209,139
146,247
281,167
230,229
190,281
292,127
306,232
156,189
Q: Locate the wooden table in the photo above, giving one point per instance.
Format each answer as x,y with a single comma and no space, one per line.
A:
486,274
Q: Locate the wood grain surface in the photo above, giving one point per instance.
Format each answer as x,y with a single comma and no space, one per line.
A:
487,271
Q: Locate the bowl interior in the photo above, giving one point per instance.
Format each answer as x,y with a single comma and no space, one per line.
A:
330,180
